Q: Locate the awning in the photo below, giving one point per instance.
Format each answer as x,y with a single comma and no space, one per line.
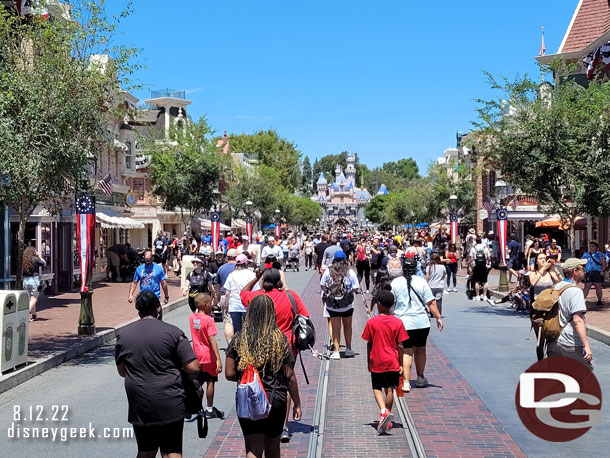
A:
207,225
110,219
554,222
238,223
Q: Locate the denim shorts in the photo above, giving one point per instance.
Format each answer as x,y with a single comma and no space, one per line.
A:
30,284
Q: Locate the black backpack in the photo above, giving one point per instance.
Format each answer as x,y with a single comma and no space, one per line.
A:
303,333
345,300
480,259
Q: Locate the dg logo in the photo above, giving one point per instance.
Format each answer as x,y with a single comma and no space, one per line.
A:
559,399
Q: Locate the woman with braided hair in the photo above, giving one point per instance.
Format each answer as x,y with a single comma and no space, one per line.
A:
262,344
412,294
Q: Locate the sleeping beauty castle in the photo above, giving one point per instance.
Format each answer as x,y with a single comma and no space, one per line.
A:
342,201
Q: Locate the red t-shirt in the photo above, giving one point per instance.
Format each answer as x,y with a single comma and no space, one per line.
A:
202,327
230,241
284,314
385,332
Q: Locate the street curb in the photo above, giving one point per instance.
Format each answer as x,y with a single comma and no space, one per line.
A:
12,379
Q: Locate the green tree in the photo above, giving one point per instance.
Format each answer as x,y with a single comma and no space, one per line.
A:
185,170
375,211
550,142
461,182
305,211
56,101
272,151
307,178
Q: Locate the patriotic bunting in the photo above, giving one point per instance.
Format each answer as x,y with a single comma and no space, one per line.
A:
453,219
85,235
249,228
502,217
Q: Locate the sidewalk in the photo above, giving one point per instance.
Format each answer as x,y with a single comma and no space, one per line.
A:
54,339
57,324
598,316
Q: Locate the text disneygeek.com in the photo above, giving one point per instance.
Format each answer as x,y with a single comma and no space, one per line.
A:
27,424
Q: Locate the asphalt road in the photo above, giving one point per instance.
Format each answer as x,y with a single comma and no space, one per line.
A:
88,390
489,348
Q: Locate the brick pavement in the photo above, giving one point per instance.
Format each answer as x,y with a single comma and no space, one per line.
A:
351,411
57,324
449,416
229,441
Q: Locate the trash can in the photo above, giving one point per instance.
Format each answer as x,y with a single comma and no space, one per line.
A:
8,325
20,349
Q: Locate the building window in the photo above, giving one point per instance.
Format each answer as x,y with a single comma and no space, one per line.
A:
128,156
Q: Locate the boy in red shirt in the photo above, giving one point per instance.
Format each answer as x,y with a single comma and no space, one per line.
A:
203,330
385,334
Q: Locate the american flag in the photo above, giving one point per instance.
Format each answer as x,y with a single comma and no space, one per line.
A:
487,205
106,185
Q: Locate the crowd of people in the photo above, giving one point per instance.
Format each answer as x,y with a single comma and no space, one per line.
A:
403,276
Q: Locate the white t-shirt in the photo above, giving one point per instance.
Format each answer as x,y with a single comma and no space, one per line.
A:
234,284
309,247
276,250
411,311
353,284
571,301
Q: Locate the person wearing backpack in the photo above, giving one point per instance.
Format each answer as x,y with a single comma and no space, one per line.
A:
480,265
273,287
261,347
394,263
339,283
571,326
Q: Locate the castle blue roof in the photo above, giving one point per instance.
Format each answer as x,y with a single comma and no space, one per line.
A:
382,190
321,180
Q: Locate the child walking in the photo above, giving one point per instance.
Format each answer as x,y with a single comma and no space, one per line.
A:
203,330
385,335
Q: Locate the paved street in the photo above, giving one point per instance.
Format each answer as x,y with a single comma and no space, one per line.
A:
468,409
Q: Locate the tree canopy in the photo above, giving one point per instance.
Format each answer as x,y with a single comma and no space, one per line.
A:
186,169
550,142
57,99
273,151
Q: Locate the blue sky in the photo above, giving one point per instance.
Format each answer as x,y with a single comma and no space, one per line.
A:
391,79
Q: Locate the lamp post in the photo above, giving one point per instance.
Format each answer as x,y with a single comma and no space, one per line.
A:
277,222
502,221
248,211
453,217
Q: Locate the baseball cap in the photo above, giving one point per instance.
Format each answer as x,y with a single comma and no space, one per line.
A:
339,255
220,252
271,239
241,259
572,263
197,259
232,253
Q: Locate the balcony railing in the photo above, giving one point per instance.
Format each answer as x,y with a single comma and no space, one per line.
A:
168,93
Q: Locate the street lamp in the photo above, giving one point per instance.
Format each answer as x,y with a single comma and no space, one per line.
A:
215,198
248,209
248,205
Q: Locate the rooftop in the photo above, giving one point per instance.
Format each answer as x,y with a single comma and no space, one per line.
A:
590,21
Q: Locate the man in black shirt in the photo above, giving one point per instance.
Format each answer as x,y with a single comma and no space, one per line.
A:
198,281
319,250
150,355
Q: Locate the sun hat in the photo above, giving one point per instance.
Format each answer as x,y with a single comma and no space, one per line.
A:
232,253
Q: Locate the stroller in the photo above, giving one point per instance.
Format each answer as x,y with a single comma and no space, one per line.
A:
293,259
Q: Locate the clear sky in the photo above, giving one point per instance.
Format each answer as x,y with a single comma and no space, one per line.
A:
391,79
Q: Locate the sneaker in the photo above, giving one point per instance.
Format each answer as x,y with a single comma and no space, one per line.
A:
367,291
491,301
390,425
349,353
447,290
454,289
285,437
421,382
406,387
385,418
214,413
335,355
